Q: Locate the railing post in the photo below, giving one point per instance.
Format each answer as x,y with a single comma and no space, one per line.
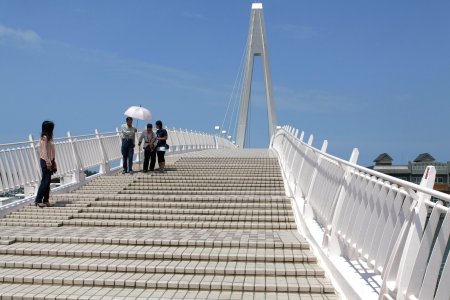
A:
399,268
104,167
308,213
302,135
120,147
79,175
331,233
31,189
188,140
296,183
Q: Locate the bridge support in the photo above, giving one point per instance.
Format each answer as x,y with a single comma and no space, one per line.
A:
256,46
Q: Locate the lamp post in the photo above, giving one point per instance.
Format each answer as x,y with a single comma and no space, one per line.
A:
217,131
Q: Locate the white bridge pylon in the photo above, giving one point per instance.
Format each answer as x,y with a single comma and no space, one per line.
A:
256,46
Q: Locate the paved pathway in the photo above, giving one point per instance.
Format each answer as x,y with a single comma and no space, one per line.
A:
217,225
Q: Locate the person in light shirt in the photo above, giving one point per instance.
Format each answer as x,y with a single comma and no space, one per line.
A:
149,138
47,162
127,133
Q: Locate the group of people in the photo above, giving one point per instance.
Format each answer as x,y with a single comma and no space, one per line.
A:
155,144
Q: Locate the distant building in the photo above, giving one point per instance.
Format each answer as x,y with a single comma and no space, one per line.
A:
414,170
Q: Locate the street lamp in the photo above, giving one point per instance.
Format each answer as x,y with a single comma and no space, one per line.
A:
217,131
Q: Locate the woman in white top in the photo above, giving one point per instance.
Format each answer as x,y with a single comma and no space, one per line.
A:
47,162
149,138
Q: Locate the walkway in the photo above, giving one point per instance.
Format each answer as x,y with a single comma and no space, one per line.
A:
217,225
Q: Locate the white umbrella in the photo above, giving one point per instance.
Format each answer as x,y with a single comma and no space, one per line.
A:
140,113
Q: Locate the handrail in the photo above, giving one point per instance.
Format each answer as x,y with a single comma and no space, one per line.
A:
19,162
364,215
386,177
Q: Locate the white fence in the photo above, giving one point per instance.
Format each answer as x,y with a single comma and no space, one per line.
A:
19,162
398,230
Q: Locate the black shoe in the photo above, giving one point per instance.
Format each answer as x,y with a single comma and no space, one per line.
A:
145,171
48,204
40,205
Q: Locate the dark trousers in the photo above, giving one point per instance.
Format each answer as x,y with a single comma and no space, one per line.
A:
149,155
161,156
43,193
127,154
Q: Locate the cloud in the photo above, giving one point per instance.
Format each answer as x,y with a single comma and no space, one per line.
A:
191,15
168,76
18,37
297,32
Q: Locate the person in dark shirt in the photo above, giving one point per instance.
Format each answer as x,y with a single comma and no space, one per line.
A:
161,145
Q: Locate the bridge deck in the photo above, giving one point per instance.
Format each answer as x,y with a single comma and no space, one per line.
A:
216,225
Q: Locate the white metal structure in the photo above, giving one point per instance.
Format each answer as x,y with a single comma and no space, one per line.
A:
256,46
359,217
19,162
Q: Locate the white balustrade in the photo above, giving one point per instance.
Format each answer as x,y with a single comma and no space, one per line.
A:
20,166
367,216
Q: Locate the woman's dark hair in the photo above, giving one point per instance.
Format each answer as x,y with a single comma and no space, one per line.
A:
158,123
129,118
47,129
149,125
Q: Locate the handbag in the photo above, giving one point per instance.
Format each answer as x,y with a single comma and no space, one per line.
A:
167,146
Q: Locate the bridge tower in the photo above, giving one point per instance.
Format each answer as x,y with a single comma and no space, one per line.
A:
256,46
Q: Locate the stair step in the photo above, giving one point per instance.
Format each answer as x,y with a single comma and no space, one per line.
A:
171,281
199,199
206,192
201,177
29,223
36,216
215,180
68,250
46,291
44,213
221,212
174,224
170,217
162,266
204,185
205,205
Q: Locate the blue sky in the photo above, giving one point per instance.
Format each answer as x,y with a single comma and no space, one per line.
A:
368,74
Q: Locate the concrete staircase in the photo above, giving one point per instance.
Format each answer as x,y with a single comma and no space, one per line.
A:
217,225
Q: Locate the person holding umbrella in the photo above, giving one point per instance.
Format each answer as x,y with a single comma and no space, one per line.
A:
139,113
127,134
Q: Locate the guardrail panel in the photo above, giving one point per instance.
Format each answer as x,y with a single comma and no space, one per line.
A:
373,217
19,162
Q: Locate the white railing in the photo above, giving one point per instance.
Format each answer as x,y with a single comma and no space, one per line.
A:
398,231
19,162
